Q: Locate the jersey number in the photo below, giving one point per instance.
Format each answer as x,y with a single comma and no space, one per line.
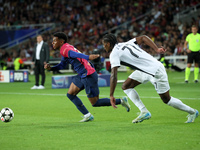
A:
131,51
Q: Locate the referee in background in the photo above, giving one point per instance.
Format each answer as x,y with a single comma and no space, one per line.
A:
192,47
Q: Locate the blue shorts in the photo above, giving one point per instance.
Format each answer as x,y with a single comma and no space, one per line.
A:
89,83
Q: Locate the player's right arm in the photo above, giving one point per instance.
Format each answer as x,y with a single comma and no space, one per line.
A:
59,66
185,46
47,66
113,83
115,64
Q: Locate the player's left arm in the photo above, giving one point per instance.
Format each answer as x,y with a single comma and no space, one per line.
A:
74,54
113,84
146,40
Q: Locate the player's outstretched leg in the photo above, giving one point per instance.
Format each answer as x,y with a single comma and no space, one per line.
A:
178,104
124,103
142,116
192,117
106,102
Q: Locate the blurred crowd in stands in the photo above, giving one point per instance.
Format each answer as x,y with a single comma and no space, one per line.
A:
86,21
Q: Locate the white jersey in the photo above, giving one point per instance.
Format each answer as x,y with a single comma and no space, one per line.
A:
130,54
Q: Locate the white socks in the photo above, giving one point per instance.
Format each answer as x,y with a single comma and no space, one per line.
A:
87,115
176,103
134,97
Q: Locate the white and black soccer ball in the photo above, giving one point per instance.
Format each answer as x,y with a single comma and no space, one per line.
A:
6,114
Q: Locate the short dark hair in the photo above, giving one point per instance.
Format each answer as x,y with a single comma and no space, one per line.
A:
61,35
194,26
111,38
39,35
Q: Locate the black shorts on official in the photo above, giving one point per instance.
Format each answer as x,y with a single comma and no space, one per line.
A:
193,57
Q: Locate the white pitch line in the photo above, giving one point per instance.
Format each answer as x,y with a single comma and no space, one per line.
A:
46,94
179,78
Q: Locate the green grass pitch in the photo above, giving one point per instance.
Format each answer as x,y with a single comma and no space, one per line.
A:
47,120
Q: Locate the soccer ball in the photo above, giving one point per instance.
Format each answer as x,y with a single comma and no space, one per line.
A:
6,114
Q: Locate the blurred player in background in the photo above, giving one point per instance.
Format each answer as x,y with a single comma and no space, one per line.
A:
147,69
193,52
87,77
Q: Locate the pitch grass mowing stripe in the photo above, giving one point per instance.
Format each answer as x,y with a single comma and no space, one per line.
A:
45,94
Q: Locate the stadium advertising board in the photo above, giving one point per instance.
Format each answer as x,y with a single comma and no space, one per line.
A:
7,76
64,81
4,76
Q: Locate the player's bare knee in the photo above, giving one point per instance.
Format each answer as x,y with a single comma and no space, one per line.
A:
165,99
124,87
70,96
93,101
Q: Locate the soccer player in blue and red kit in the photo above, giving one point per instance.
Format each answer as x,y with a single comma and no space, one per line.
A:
87,77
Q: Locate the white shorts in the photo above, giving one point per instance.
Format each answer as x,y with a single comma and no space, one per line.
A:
160,80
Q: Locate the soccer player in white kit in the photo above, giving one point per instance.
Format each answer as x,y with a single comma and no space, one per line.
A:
147,68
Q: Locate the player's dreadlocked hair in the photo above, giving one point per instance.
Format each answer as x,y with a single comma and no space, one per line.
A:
111,38
61,35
